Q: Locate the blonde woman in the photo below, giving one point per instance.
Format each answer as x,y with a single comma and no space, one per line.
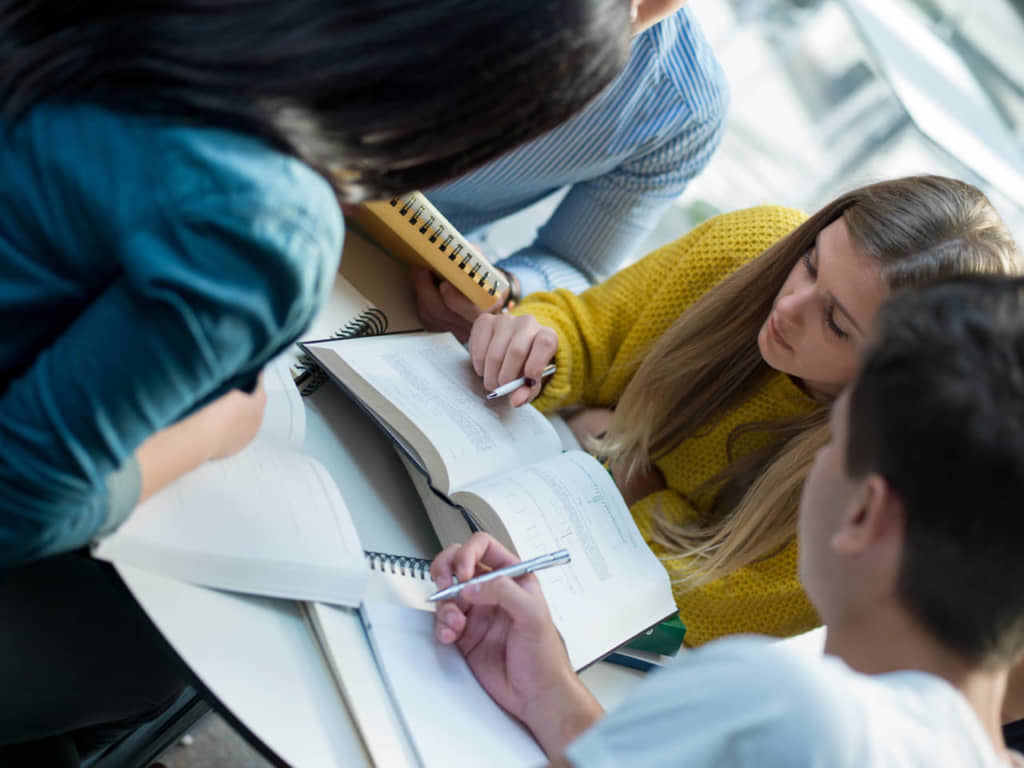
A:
712,363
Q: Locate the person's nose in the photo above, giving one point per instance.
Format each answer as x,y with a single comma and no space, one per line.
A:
792,307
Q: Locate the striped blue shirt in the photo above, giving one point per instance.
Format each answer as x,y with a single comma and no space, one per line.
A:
623,159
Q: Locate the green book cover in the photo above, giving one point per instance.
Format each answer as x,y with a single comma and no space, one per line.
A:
665,638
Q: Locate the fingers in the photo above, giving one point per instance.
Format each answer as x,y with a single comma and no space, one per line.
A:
480,340
460,312
481,549
505,347
259,394
441,569
460,305
519,601
541,352
449,623
520,598
432,308
480,553
429,304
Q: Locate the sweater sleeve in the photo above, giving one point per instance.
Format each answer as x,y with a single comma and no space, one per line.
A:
605,331
763,598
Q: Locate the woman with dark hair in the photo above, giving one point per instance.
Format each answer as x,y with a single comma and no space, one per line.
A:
170,223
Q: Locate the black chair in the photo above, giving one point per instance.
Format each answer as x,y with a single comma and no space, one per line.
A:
147,742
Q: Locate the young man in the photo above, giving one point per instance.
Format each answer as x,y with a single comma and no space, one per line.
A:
622,161
909,529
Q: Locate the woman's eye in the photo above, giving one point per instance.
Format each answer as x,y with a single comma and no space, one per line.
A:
809,265
830,318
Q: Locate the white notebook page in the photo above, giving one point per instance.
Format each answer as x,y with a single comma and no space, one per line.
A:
450,718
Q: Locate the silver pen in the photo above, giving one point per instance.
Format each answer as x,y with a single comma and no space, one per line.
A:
561,557
512,386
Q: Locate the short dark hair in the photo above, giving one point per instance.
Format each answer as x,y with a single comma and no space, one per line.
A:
394,94
938,410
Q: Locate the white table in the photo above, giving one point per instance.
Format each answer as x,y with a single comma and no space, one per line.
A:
257,657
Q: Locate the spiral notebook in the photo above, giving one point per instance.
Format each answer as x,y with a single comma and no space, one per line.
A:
371,295
409,227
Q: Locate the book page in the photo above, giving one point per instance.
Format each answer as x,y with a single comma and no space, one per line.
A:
264,522
284,417
450,718
614,587
446,519
424,387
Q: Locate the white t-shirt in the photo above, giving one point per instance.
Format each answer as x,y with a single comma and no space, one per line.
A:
748,701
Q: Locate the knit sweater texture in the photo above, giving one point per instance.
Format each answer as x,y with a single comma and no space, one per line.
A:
604,331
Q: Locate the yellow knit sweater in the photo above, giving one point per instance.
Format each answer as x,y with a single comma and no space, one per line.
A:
602,331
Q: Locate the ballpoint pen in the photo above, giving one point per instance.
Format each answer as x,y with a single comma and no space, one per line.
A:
560,557
512,386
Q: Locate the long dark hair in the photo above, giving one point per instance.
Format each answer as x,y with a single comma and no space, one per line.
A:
382,96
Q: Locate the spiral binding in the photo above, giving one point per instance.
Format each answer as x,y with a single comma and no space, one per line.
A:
370,322
416,567
440,233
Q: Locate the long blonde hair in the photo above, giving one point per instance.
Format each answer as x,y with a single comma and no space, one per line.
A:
918,229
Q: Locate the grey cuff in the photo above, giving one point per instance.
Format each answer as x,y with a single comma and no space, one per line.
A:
543,272
124,485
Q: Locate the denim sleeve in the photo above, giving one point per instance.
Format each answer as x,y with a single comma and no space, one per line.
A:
212,286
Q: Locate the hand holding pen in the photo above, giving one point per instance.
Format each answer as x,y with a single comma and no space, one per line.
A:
512,349
514,571
505,632
512,386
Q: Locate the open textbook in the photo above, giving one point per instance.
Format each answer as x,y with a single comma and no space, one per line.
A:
505,469
270,521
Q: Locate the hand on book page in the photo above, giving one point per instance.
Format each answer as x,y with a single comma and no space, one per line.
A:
614,587
507,347
268,520
504,631
222,428
422,387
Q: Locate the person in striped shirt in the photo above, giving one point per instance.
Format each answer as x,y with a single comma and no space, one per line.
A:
621,161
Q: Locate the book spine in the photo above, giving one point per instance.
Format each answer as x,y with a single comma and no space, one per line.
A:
431,237
309,376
